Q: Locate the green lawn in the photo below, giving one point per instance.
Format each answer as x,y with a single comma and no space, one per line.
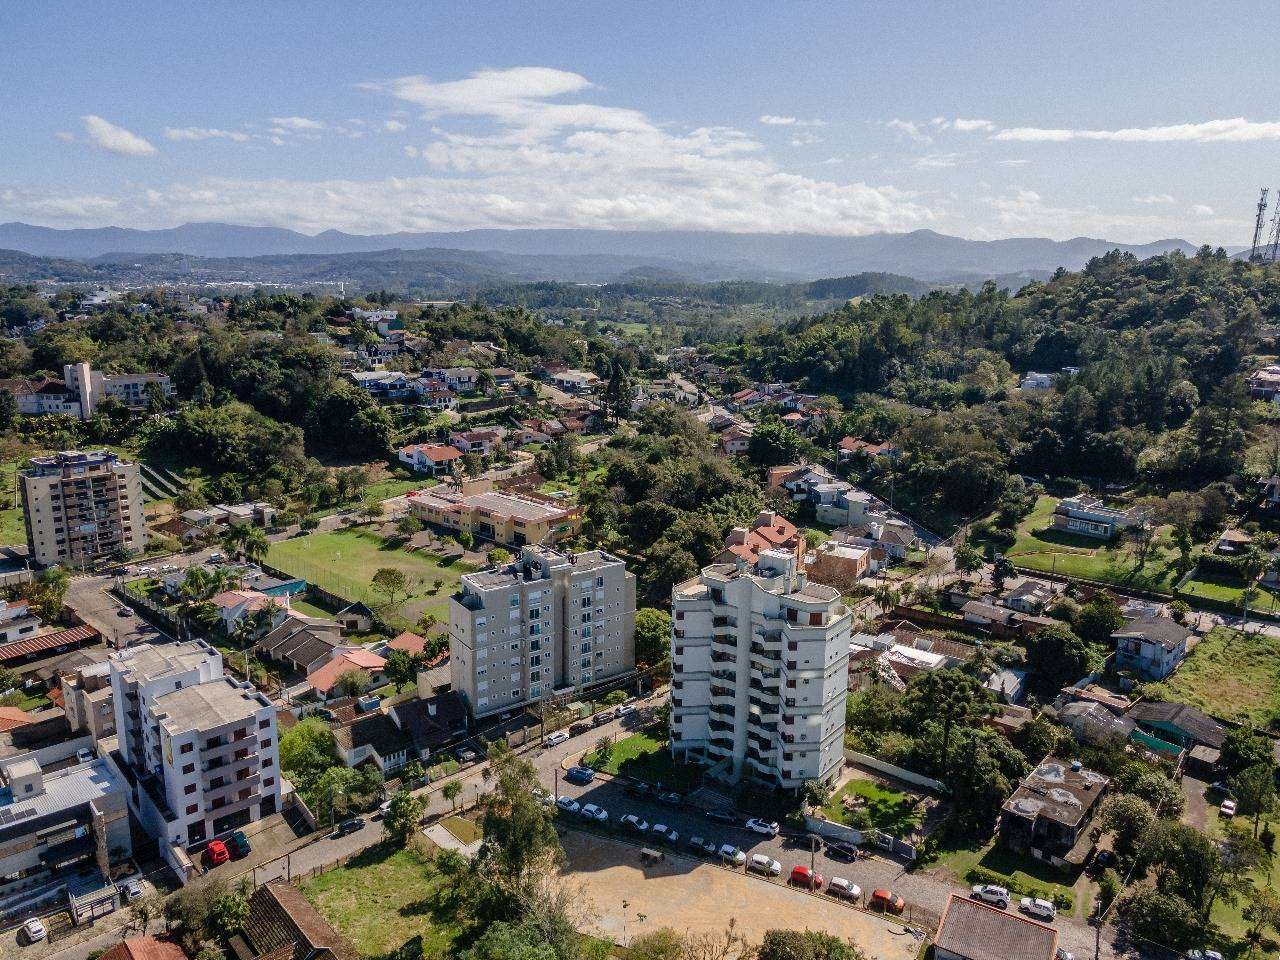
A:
467,831
381,900
889,810
343,562
307,608
1227,916
644,756
1025,876
1232,675
1228,591
13,531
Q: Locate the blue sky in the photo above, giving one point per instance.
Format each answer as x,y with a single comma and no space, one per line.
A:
1131,121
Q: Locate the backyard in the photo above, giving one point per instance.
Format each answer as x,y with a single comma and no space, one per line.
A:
381,900
1232,675
644,756
871,804
343,562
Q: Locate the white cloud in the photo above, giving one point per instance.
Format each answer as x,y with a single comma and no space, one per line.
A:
773,120
804,139
1200,210
1234,130
912,130
115,139
296,123
937,161
1013,163
962,125
393,126
66,136
204,133
1153,198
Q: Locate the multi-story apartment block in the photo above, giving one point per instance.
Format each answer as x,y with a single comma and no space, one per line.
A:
547,623
203,745
79,506
90,387
509,518
760,661
86,697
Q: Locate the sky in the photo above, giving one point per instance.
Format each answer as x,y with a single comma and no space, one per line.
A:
1130,121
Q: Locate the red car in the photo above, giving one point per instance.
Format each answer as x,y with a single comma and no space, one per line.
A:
888,901
217,852
804,877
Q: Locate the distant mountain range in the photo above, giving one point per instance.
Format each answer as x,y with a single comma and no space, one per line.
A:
593,256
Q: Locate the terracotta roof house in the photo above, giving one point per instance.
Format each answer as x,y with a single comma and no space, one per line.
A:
282,925
850,447
234,604
144,948
408,642
430,458
12,717
972,930
323,678
770,531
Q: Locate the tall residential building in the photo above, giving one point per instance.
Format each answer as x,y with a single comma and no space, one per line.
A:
80,506
203,746
760,664
548,623
89,387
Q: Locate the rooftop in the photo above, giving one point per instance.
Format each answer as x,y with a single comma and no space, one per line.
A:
1058,791
976,931
214,703
63,789
155,661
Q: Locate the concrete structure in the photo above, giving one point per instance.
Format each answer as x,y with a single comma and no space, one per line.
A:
80,506
52,823
508,518
17,621
87,699
200,747
1152,647
575,381
760,660
547,623
1088,516
90,387
1049,814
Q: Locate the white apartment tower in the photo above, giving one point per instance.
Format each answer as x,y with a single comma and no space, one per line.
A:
760,672
203,746
548,623
79,506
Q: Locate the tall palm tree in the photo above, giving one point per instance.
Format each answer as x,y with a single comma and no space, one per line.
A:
255,545
235,537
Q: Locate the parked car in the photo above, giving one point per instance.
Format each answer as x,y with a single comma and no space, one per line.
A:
576,729
625,709
580,775
1062,953
465,755
722,816
216,852
350,825
1202,955
595,813
766,865
125,612
766,828
568,804
216,558
666,833
732,856
1041,909
1227,808
887,900
804,877
640,790
601,718
238,844
635,823
1222,787
555,739
671,798
841,850
130,890
990,893
703,845
34,930
845,889
84,755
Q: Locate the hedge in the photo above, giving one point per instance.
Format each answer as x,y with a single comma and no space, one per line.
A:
1024,886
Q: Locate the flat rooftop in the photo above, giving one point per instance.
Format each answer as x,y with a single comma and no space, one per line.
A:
66,788
151,662
214,703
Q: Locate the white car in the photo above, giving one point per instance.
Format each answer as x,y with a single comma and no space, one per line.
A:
568,804
131,890
732,856
666,833
1227,808
593,812
555,739
765,828
990,893
542,796
625,709
766,865
635,823
840,887
84,755
1202,955
34,930
1036,907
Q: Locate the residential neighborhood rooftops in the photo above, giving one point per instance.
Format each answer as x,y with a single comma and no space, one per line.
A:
1058,790
283,925
1201,727
975,931
144,948
61,789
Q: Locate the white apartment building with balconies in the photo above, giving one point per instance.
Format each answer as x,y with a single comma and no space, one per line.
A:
546,624
760,672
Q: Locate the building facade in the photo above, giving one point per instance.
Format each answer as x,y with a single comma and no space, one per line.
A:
546,624
81,506
760,661
504,518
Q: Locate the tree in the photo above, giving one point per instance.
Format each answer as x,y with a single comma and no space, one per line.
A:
773,443
402,816
413,772
8,410
400,669
968,559
1255,790
235,537
1098,620
1262,911
1163,918
1129,819
1056,658
407,526
604,748
229,912
1242,748
353,682
307,749
146,910
653,636
948,696
806,945
390,582
452,790
499,556
520,840
255,545
47,594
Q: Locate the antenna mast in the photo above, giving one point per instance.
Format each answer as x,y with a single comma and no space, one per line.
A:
1257,224
1273,245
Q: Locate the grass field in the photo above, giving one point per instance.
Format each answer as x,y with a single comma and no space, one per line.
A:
1020,873
888,809
1229,674
465,830
12,530
344,562
382,900
1227,916
645,757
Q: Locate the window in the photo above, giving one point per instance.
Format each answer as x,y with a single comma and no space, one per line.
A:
264,724
269,782
535,676
188,768
515,601
267,762
266,742
193,808
189,789
185,748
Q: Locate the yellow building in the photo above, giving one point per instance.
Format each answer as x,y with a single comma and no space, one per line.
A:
514,519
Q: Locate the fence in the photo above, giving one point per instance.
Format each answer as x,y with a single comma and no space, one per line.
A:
891,770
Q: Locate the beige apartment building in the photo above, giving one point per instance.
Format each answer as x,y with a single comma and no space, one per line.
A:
508,518
80,506
546,624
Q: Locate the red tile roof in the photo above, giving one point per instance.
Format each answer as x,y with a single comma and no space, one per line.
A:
11,717
436,452
144,948
323,678
48,641
409,642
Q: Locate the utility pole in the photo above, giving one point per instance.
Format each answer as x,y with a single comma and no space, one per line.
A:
1257,224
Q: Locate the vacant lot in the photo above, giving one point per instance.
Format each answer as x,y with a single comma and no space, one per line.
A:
380,901
344,562
1229,674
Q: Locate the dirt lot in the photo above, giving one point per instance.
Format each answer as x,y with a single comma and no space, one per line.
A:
695,897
